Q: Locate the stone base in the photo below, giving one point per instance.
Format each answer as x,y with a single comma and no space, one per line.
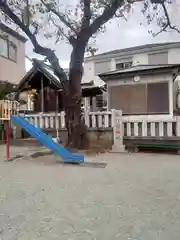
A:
118,149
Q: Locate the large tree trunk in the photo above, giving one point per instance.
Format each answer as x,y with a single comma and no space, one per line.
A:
77,131
73,112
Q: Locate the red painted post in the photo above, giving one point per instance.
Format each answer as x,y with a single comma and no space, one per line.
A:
7,140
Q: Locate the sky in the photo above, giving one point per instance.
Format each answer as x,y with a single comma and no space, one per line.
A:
119,34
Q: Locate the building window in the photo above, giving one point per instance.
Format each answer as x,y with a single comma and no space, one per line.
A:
123,65
12,51
8,49
3,47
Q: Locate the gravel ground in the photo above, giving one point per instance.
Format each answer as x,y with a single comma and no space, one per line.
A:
137,196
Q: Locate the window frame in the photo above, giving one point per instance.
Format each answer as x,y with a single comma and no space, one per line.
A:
125,65
5,39
9,44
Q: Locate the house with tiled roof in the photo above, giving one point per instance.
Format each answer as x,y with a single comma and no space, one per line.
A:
141,80
12,55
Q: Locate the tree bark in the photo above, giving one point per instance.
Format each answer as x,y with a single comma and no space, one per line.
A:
77,131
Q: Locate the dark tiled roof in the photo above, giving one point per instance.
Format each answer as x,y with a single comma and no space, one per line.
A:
135,49
10,31
44,69
48,72
139,68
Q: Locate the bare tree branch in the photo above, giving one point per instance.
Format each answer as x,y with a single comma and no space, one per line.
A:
61,16
26,56
36,27
49,53
61,32
87,14
134,1
168,23
107,14
164,29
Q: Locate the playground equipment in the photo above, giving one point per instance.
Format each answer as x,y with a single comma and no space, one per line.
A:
8,108
10,111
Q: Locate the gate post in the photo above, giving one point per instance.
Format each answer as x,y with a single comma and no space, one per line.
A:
118,131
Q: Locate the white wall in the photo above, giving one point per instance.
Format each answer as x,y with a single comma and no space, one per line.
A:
143,79
173,57
89,74
10,70
140,59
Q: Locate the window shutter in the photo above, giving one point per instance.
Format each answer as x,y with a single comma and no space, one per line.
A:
158,97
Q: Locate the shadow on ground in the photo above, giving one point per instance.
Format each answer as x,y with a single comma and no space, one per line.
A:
41,154
89,164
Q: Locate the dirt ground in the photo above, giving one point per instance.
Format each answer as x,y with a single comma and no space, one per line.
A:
134,196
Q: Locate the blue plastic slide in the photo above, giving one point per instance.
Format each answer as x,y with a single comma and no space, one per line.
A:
46,140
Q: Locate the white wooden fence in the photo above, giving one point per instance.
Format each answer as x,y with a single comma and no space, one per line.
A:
151,128
47,120
98,119
57,121
133,126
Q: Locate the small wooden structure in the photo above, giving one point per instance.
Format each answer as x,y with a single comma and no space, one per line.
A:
8,108
49,97
143,90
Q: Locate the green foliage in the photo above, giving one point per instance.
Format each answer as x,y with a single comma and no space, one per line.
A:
7,90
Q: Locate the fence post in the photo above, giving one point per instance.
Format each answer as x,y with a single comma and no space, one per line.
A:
118,133
41,124
178,126
86,116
